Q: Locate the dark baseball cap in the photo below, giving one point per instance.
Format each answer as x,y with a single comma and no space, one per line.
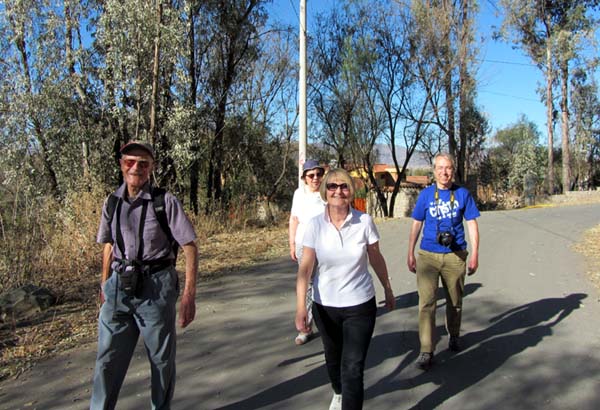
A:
311,164
131,145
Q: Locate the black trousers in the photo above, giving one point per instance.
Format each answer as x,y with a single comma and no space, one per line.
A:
346,334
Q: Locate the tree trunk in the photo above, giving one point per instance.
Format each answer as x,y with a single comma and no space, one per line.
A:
69,54
215,167
37,126
155,74
194,166
550,118
465,86
564,106
82,117
378,191
447,69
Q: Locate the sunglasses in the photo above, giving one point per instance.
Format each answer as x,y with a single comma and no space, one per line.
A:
332,186
315,175
142,163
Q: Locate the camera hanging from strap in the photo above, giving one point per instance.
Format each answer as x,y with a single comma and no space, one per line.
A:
444,238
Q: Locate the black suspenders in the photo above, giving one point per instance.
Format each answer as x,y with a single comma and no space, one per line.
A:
119,239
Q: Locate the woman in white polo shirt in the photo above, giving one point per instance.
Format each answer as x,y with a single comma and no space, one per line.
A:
307,203
344,241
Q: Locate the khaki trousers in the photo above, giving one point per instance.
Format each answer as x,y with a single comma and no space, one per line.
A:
451,267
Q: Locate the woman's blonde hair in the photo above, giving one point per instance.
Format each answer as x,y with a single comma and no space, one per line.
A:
339,174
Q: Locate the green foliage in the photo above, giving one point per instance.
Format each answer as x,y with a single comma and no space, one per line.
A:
529,160
515,154
361,193
554,34
509,140
586,115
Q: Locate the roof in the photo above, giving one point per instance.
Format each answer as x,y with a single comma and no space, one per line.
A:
418,179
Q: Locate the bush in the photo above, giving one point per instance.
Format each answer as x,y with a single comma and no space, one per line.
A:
50,242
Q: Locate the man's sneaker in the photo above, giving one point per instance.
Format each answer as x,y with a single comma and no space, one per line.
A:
424,361
454,344
302,338
336,402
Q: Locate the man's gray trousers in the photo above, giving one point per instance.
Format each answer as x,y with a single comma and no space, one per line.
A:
152,313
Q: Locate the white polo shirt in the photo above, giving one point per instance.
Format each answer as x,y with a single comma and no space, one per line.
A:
342,277
305,206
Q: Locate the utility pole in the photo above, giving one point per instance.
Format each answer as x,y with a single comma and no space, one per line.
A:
302,93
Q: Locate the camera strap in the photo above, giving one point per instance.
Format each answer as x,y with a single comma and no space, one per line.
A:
437,199
120,242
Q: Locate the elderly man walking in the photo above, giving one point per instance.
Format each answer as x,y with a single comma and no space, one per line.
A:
141,228
443,254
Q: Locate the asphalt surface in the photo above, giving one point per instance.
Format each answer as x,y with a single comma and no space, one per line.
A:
530,333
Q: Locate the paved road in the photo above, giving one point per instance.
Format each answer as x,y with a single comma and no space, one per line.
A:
530,330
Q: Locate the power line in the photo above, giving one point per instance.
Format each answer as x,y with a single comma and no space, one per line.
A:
509,95
508,62
295,9
493,5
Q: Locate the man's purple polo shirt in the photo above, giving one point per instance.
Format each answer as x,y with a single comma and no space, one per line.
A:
156,242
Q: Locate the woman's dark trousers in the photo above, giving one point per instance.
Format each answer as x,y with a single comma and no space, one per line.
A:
346,333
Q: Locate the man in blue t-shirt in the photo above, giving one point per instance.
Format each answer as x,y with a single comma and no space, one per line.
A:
441,207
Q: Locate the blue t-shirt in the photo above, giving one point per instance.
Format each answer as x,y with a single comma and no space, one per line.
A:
440,215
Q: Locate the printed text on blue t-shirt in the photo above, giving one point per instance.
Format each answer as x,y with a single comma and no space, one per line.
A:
441,210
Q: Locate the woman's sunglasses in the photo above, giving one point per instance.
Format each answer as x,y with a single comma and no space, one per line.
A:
315,175
332,186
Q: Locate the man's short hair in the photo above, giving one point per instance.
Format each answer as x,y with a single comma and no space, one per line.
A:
446,155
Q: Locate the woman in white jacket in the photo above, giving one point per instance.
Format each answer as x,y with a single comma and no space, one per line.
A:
307,203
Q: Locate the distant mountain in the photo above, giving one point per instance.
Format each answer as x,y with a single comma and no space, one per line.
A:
384,156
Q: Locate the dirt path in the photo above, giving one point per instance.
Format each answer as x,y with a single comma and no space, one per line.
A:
530,332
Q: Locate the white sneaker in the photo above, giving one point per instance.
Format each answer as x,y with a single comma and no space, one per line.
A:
336,402
302,338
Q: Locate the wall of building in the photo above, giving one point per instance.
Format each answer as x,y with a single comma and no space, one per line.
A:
404,204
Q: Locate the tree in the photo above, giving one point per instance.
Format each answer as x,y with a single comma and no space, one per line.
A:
468,115
234,42
446,30
36,72
515,154
269,105
393,84
335,86
550,31
585,102
574,26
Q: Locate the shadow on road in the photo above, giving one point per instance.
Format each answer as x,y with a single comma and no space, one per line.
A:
484,351
509,334
383,347
411,299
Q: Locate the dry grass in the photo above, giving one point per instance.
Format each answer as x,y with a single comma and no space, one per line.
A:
590,247
227,252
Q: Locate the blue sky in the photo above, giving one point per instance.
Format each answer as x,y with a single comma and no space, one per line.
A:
507,79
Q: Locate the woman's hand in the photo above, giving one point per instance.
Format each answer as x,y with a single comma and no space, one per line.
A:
302,320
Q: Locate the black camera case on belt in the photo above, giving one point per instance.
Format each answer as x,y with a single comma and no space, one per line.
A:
130,276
